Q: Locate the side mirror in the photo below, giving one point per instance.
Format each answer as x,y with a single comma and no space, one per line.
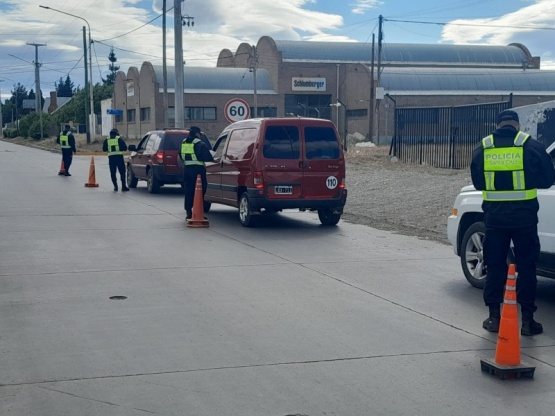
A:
132,148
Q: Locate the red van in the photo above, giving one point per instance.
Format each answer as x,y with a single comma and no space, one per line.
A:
271,164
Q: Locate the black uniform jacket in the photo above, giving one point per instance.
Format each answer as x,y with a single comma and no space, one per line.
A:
201,150
71,141
121,143
538,173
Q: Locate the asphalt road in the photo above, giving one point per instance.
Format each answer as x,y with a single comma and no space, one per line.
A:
290,318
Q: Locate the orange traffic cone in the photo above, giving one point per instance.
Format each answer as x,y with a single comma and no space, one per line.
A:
92,176
62,169
507,353
198,220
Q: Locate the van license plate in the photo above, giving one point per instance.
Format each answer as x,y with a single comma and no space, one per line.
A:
283,190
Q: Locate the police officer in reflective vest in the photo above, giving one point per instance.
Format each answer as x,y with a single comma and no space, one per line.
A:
193,154
508,167
66,140
114,145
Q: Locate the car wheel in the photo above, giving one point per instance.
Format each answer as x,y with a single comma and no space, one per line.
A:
472,255
245,216
328,216
131,179
207,206
152,184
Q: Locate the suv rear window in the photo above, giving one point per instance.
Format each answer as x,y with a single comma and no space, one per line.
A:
281,142
173,141
321,143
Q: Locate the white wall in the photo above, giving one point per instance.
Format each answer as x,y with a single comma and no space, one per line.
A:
107,119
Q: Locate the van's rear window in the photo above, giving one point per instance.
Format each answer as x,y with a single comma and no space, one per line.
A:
321,143
173,141
281,142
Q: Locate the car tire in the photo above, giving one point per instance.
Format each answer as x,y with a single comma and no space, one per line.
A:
152,184
245,214
131,179
328,216
472,255
207,205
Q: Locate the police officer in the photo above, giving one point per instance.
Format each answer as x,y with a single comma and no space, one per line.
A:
66,140
115,146
194,153
508,166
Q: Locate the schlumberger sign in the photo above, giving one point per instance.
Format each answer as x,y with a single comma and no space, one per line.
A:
308,84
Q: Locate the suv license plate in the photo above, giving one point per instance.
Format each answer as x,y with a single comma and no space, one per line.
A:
283,190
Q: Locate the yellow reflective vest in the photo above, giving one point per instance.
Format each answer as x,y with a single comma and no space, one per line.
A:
510,160
113,146
188,154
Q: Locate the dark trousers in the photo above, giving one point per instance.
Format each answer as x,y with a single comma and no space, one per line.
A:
527,249
67,158
189,182
117,163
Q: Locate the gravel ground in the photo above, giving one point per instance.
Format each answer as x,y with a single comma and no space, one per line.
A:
393,196
383,193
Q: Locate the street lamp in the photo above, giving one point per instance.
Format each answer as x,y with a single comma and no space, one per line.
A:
91,117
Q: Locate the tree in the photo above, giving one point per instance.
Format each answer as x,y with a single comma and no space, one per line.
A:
111,77
19,94
64,88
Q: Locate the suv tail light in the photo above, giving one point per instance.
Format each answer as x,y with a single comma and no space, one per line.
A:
258,180
342,185
159,156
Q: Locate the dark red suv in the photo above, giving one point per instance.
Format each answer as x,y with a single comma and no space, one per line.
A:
155,159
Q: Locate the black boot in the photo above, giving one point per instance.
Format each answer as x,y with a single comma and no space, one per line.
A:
491,324
189,214
529,325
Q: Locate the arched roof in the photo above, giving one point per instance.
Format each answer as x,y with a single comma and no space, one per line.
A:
467,81
217,80
407,54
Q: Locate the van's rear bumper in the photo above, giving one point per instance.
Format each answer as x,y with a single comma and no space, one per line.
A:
162,175
257,202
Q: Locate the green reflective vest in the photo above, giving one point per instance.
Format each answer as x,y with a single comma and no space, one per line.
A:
188,154
64,141
506,159
113,146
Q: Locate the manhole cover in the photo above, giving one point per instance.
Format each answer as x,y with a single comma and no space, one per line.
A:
118,297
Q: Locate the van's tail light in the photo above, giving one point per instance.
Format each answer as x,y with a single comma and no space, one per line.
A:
342,185
159,156
258,180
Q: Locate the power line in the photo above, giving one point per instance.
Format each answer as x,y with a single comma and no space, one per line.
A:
468,24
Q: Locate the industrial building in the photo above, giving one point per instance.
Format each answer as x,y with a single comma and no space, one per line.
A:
330,80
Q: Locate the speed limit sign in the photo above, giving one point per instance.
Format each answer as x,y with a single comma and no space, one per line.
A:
237,109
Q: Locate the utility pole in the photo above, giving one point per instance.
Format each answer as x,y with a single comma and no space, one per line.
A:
178,95
253,65
38,95
87,92
380,39
1,111
164,66
371,106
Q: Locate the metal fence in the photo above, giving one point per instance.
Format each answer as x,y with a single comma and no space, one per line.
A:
443,137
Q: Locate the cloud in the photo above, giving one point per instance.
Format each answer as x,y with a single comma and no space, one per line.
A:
362,6
529,26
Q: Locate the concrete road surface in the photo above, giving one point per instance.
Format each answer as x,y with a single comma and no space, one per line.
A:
290,318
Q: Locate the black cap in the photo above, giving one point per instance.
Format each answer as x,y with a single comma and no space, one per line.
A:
114,132
507,115
194,130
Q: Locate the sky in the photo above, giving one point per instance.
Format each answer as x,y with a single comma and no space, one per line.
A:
133,28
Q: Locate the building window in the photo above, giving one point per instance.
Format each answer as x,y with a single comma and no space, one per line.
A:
362,112
308,105
131,116
200,113
265,111
145,114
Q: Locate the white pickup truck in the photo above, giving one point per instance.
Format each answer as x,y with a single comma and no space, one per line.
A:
465,232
